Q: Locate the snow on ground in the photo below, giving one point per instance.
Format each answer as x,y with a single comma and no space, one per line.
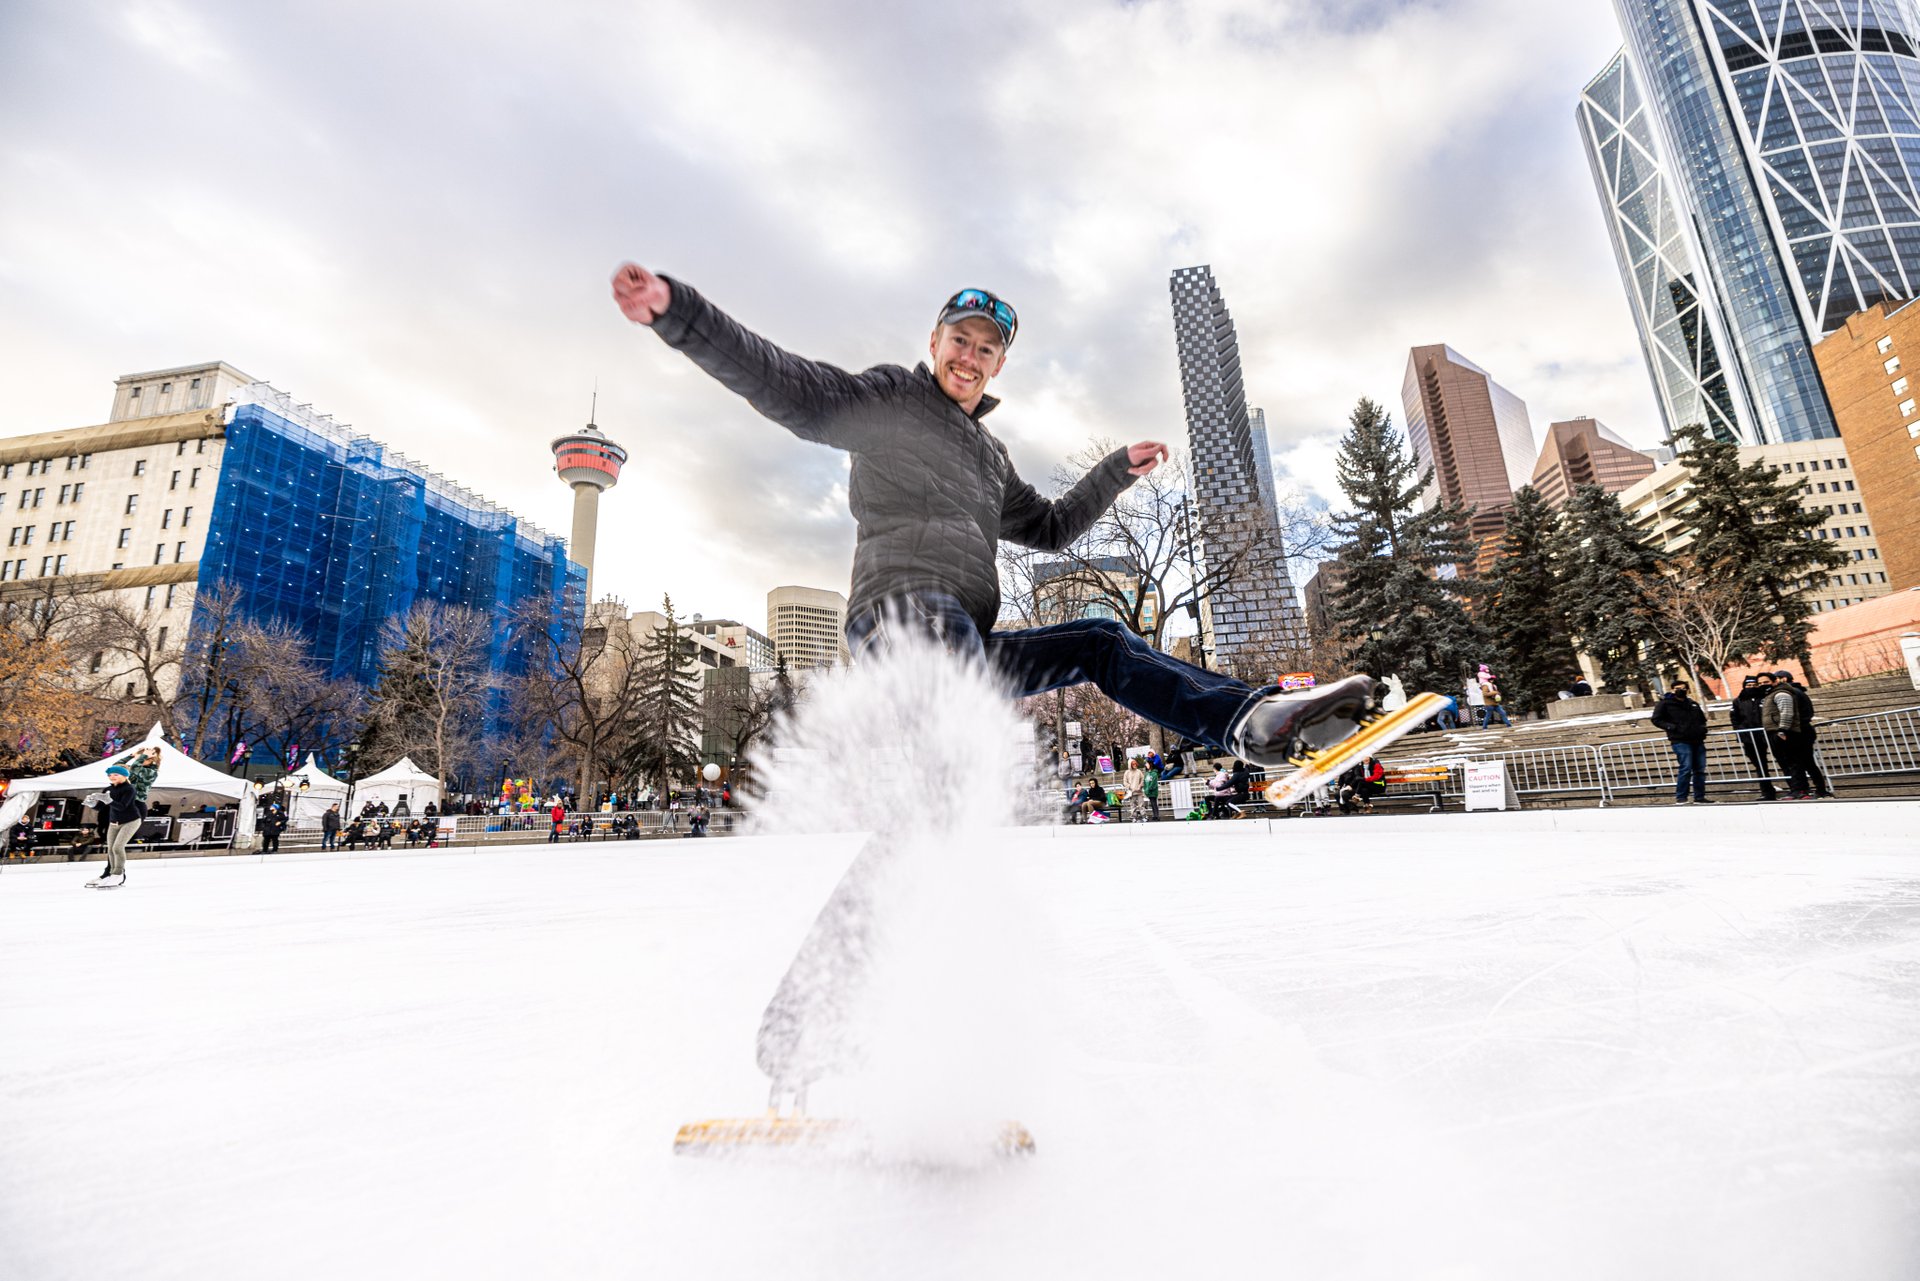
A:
1646,1044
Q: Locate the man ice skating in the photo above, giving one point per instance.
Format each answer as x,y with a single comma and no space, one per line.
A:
124,813
934,492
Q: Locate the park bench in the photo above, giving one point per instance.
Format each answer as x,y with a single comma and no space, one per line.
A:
1423,782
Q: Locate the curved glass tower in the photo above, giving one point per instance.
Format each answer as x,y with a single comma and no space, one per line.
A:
1791,132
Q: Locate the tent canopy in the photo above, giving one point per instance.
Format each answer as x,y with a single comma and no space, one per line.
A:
306,805
181,782
402,779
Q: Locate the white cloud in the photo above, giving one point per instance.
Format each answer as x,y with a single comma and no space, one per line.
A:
414,232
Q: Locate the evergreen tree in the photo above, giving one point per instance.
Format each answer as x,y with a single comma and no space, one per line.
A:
667,723
1605,574
1402,604
1750,532
1525,611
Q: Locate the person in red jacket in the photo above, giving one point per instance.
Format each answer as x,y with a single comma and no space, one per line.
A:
559,817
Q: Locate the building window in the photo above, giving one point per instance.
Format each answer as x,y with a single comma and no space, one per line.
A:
59,565
6,471
1850,533
1886,345
79,488
126,535
26,538
1829,464
133,503
1900,387
130,686
166,517
161,641
46,566
1892,364
66,492
1866,531
193,481
1843,464
160,552
38,496
194,385
200,446
165,388
1847,483
179,552
85,461
170,587
1906,408
139,466
1822,487
180,451
186,516
149,598
134,394
174,481
94,664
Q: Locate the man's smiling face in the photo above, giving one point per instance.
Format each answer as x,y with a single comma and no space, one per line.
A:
966,355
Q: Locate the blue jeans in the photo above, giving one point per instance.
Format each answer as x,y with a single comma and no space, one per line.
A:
1204,706
1692,759
1490,711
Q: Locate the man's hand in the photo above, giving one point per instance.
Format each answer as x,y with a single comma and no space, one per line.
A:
1145,456
643,297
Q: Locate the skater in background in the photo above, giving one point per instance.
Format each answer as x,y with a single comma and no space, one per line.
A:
1493,704
272,823
124,813
934,492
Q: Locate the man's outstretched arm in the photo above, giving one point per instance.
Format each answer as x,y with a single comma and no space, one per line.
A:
1051,525
805,396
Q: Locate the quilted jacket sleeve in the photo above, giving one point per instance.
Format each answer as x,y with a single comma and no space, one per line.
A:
1051,525
814,401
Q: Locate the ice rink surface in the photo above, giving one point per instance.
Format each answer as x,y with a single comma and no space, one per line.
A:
1648,1045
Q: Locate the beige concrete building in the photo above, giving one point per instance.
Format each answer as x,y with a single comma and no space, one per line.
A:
1583,451
120,508
808,626
1827,485
1065,590
1869,365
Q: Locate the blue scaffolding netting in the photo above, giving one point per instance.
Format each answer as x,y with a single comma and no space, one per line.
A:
336,533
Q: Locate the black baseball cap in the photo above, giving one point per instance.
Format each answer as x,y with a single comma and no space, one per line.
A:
978,302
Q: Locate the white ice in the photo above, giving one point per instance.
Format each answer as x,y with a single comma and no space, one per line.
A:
1652,1044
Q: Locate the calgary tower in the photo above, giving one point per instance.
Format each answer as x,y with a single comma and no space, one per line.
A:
589,462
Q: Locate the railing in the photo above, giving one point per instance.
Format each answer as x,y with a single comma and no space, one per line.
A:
1866,746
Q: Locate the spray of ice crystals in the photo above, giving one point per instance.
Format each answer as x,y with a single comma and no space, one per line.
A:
912,1004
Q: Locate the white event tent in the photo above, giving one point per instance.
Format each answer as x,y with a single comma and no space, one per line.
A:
311,801
181,783
402,779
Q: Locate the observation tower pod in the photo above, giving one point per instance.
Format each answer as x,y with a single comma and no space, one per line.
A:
589,462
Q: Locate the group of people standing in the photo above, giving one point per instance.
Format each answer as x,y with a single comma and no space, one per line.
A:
1773,716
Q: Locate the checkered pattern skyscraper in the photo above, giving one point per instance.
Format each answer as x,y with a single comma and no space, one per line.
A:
1254,615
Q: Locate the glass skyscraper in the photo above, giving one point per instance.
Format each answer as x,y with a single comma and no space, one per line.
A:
1790,133
1682,332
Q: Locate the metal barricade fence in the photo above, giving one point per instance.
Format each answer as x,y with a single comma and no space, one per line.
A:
1876,743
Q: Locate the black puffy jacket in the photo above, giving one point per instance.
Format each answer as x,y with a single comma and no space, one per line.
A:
933,491
1744,712
1684,720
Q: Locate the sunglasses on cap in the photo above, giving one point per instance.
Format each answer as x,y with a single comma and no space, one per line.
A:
978,302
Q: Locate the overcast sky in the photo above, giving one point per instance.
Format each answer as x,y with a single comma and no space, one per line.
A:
406,214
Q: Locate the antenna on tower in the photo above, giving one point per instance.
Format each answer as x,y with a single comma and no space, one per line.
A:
593,415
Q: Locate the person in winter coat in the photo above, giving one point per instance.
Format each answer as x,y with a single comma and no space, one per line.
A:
1685,723
1135,781
1219,793
1359,785
1787,716
1493,705
330,827
124,813
558,816
1150,788
1748,717
271,824
1242,783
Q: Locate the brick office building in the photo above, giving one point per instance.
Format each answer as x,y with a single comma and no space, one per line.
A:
1871,365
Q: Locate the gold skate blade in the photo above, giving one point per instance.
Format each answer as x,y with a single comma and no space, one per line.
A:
805,1132
1320,767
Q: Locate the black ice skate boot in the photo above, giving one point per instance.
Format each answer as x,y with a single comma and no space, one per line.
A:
1286,728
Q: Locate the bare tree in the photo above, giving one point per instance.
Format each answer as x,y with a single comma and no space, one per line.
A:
435,681
744,710
209,667
143,648
581,690
294,706
1705,622
41,716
